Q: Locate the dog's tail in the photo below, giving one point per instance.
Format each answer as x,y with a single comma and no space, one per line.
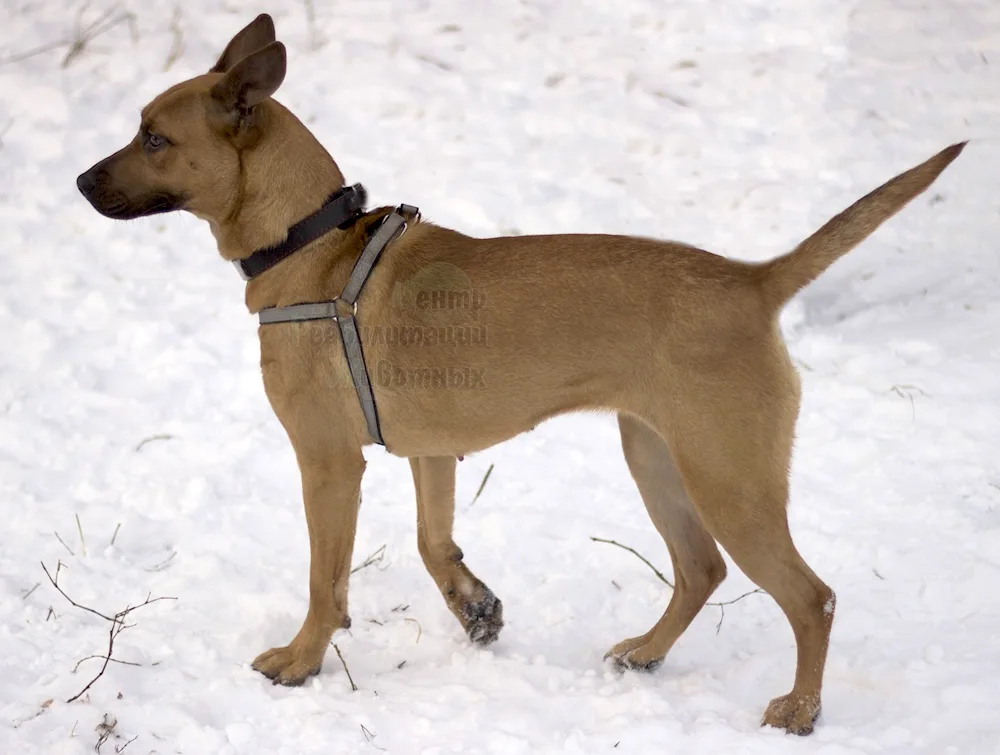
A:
783,277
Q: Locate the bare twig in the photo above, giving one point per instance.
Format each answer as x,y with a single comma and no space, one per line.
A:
163,564
177,47
115,533
81,37
354,687
16,58
907,391
72,602
18,723
85,35
720,604
151,438
374,559
28,593
105,729
118,625
120,748
83,542
420,629
64,543
107,659
2,135
736,600
113,660
482,485
315,41
370,738
638,555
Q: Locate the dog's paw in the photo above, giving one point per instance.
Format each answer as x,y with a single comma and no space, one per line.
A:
629,662
794,714
287,666
483,618
633,655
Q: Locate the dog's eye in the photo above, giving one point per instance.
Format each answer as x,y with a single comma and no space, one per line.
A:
154,142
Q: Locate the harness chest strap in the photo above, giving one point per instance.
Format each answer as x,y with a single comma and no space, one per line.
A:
392,227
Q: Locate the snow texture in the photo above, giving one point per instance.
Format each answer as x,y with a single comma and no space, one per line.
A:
130,393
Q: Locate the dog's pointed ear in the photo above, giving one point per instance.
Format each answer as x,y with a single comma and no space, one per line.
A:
252,37
250,81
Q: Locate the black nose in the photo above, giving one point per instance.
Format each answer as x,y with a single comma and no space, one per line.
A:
85,183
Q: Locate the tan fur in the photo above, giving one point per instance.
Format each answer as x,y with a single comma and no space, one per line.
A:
471,342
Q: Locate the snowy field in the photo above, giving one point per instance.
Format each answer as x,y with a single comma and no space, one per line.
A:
131,398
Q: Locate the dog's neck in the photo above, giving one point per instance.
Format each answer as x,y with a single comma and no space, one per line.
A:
288,176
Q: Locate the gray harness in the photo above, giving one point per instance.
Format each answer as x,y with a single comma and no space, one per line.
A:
391,228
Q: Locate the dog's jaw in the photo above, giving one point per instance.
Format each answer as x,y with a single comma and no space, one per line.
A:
117,206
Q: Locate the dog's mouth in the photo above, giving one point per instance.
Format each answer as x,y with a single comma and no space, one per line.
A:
117,206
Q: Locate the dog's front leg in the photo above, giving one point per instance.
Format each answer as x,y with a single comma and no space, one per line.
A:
475,606
331,487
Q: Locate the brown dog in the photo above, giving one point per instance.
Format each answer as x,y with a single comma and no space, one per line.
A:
473,341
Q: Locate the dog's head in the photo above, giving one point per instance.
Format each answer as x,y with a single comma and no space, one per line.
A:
190,150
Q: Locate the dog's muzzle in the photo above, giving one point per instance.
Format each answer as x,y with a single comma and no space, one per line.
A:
95,185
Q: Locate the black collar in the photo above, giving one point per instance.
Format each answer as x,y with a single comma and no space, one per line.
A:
339,211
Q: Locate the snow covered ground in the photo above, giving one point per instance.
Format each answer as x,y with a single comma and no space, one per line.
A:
130,394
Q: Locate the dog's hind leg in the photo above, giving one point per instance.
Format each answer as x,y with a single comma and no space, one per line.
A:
698,565
732,441
475,606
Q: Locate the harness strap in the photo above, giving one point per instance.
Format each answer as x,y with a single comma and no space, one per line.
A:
391,228
323,310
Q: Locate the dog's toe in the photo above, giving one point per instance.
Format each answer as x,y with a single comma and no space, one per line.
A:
285,666
629,662
483,618
633,655
296,675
